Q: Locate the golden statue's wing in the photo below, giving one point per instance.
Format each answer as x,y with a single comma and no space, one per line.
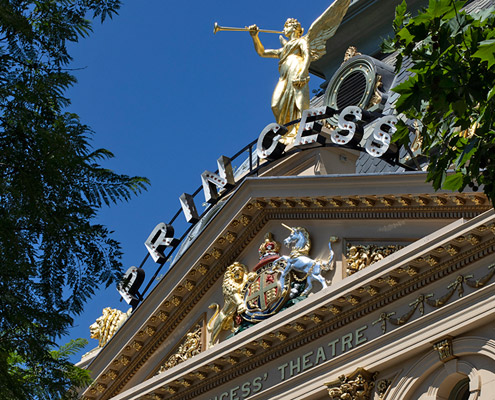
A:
325,27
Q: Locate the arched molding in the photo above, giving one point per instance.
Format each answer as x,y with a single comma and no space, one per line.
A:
429,365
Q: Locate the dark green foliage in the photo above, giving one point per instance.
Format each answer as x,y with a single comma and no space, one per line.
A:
52,254
451,92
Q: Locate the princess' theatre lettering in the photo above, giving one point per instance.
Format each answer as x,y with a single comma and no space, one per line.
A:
333,272
298,364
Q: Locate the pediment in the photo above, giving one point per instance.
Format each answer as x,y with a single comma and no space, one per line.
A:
382,211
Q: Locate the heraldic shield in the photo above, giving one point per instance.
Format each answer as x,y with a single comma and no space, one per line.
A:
266,294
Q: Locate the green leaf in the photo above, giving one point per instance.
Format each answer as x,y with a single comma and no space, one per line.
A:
491,93
486,52
453,182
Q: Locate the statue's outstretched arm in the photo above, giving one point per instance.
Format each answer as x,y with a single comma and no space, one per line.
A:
260,49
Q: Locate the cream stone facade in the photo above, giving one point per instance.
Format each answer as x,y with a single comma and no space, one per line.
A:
408,313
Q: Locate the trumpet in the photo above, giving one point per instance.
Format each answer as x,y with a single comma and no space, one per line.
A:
217,28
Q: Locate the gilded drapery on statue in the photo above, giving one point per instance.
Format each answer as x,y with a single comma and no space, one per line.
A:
291,94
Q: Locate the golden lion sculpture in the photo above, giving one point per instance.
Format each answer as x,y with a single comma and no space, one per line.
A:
234,280
106,325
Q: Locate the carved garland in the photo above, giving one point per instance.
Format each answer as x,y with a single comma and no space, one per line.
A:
261,219
418,304
315,332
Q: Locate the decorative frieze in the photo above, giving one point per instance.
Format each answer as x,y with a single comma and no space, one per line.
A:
297,327
360,256
231,236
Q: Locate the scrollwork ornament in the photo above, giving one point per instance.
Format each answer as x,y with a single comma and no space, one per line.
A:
356,386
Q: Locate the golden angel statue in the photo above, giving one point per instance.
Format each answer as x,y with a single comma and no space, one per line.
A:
291,95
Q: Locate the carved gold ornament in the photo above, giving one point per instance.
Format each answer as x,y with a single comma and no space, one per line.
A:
350,52
106,325
189,347
355,386
444,349
362,256
236,276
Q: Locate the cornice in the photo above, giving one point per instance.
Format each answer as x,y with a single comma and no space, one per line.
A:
237,235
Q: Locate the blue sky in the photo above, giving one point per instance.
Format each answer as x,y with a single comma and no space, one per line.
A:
168,98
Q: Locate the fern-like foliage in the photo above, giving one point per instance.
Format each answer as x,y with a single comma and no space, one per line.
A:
52,253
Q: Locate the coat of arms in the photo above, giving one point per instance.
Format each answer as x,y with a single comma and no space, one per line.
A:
274,283
265,294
